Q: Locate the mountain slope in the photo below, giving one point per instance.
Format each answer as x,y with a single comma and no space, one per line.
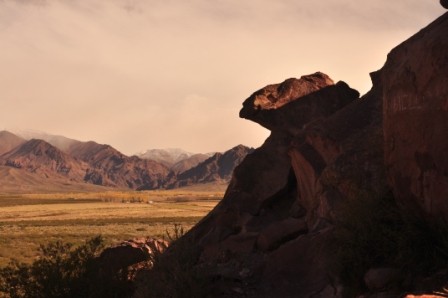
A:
110,167
103,165
15,180
9,141
189,163
40,157
217,168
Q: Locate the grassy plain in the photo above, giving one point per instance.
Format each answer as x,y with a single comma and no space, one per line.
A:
28,220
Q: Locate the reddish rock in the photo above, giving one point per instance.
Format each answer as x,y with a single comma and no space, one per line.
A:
296,102
128,253
415,93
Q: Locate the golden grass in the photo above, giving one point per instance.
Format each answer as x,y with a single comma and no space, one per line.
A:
28,220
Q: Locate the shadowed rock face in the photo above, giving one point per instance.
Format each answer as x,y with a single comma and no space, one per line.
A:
415,94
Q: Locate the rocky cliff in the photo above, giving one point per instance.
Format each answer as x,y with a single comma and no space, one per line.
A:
272,234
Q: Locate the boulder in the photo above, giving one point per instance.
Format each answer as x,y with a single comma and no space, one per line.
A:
128,253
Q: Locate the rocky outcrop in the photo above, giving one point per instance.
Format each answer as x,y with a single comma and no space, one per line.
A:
128,253
415,93
276,216
116,266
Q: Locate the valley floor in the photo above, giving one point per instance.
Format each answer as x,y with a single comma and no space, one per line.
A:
28,220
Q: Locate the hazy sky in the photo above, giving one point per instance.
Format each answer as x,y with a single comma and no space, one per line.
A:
173,73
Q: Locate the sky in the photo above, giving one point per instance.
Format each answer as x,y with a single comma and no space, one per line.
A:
144,74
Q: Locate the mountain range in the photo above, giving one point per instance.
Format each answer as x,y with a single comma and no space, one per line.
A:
67,164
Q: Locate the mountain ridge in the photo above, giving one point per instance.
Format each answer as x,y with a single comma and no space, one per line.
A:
103,165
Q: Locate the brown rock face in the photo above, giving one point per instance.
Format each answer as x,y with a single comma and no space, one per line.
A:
415,94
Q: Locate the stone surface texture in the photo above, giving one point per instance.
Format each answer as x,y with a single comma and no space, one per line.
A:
415,93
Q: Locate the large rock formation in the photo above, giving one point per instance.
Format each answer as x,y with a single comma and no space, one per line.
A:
415,93
269,233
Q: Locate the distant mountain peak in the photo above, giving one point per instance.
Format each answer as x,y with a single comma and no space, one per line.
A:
167,156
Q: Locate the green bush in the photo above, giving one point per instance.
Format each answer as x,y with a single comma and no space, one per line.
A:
61,270
374,232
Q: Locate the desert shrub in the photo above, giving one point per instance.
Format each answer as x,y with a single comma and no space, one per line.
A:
61,270
375,232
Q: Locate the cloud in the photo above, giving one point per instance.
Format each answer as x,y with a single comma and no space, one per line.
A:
172,73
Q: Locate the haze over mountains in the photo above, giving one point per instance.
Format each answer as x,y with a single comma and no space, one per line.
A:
65,164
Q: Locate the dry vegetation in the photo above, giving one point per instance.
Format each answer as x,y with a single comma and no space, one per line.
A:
28,220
